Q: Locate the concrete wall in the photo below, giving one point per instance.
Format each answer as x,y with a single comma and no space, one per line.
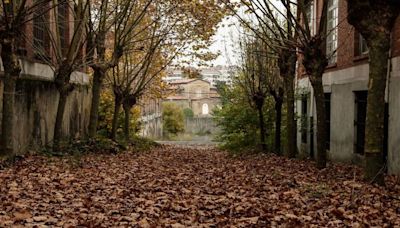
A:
36,103
197,105
342,123
394,119
152,126
200,125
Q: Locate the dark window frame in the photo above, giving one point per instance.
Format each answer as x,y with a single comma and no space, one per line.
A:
327,99
361,98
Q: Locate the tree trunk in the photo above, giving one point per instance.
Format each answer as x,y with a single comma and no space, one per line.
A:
287,67
59,120
316,82
12,70
378,53
98,77
117,107
291,121
262,128
278,123
127,110
8,117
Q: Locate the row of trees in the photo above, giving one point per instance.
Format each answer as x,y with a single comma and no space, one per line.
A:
283,33
124,44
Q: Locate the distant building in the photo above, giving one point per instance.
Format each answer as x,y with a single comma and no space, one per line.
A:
195,94
211,74
217,74
173,75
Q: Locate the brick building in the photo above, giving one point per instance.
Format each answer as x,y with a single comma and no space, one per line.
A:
346,87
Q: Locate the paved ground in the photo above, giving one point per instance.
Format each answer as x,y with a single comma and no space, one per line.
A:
176,186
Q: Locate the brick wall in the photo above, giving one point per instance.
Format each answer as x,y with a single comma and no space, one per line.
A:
347,54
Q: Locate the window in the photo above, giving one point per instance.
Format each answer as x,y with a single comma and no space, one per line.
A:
360,118
205,109
331,38
309,8
304,119
62,19
328,120
360,45
40,33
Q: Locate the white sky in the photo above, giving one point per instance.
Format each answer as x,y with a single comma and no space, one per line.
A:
226,38
225,42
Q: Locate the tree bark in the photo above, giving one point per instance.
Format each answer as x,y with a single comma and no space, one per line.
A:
262,128
378,53
98,77
59,120
127,110
316,82
117,107
291,121
12,70
375,21
287,67
278,124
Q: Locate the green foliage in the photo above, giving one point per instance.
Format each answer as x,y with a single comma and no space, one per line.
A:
106,112
188,112
173,119
239,121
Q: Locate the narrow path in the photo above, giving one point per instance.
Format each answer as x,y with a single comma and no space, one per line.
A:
183,187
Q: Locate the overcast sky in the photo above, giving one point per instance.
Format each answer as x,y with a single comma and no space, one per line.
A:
225,42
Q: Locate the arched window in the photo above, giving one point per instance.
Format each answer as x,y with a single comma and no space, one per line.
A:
205,109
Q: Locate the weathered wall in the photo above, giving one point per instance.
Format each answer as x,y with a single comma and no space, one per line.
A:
342,84
35,113
151,126
200,125
394,119
36,102
197,105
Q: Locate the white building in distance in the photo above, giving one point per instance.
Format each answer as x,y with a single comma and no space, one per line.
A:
211,74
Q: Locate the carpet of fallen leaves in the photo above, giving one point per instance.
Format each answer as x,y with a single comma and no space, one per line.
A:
181,187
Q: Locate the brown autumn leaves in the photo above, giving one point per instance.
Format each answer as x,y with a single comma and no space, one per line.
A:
181,187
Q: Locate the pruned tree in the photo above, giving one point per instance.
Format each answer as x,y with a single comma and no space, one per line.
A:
192,27
255,71
311,42
111,24
14,15
375,21
67,55
139,71
277,31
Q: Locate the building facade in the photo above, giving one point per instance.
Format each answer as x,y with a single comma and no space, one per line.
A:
213,75
36,97
196,94
346,89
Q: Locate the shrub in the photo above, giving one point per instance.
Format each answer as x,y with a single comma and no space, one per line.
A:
106,112
238,121
188,112
173,119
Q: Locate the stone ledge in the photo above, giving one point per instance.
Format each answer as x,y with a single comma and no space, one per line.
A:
43,72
